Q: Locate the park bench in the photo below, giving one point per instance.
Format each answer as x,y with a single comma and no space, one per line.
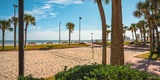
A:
31,43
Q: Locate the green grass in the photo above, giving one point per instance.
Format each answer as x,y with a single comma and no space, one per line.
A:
149,56
44,47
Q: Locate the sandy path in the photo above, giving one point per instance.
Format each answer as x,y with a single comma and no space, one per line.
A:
45,63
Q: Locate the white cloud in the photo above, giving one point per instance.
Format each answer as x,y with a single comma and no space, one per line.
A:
44,11
65,2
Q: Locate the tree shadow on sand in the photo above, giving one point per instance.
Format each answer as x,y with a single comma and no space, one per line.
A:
144,65
138,48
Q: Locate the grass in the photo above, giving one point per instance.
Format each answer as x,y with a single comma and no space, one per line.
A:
43,47
149,56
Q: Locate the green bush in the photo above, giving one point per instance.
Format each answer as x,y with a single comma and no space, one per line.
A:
158,48
104,72
29,77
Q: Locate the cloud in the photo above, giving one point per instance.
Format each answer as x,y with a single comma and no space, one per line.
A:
45,11
64,2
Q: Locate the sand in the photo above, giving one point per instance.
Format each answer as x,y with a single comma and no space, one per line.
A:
46,63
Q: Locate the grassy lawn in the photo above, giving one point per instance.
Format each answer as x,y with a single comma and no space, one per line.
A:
148,56
44,47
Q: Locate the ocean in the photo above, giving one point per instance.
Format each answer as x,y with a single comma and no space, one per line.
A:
11,42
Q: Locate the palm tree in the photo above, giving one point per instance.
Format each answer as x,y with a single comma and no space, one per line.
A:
139,26
15,22
142,24
135,30
5,25
132,30
28,19
117,51
103,20
70,27
125,28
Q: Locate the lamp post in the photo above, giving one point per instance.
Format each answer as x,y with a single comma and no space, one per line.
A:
14,5
21,37
79,29
92,45
59,32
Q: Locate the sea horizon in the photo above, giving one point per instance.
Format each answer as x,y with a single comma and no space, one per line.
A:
11,42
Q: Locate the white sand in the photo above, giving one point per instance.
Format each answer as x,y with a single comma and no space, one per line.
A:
45,63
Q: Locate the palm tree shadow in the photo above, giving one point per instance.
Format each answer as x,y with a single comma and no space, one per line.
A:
145,64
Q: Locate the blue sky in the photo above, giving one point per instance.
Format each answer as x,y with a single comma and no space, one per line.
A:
49,13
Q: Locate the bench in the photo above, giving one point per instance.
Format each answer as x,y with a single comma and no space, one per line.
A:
49,43
31,43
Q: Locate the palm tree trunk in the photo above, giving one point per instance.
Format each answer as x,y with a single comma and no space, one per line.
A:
117,51
135,36
157,35
69,37
141,35
132,36
103,19
151,37
14,37
144,35
3,34
25,37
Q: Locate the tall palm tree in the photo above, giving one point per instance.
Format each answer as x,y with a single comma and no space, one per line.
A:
70,27
103,20
28,19
117,51
5,25
142,23
15,23
144,8
135,30
132,30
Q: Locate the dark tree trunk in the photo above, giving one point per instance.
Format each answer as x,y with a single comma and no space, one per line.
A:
3,34
132,36
144,35
151,37
21,38
135,36
157,35
141,35
25,37
117,51
103,20
69,37
14,37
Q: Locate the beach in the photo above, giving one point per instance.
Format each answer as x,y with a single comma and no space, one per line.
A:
46,63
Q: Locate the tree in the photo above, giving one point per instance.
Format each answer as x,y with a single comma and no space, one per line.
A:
15,23
103,20
143,29
117,49
70,27
135,30
125,28
5,25
139,26
28,19
132,30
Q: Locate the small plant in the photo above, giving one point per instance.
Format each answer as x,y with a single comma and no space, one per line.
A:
104,72
29,77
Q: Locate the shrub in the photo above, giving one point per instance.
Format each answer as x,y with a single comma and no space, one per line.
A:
29,77
158,48
104,72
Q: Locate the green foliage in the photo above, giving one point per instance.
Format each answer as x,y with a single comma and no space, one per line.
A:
29,77
149,56
104,72
158,49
